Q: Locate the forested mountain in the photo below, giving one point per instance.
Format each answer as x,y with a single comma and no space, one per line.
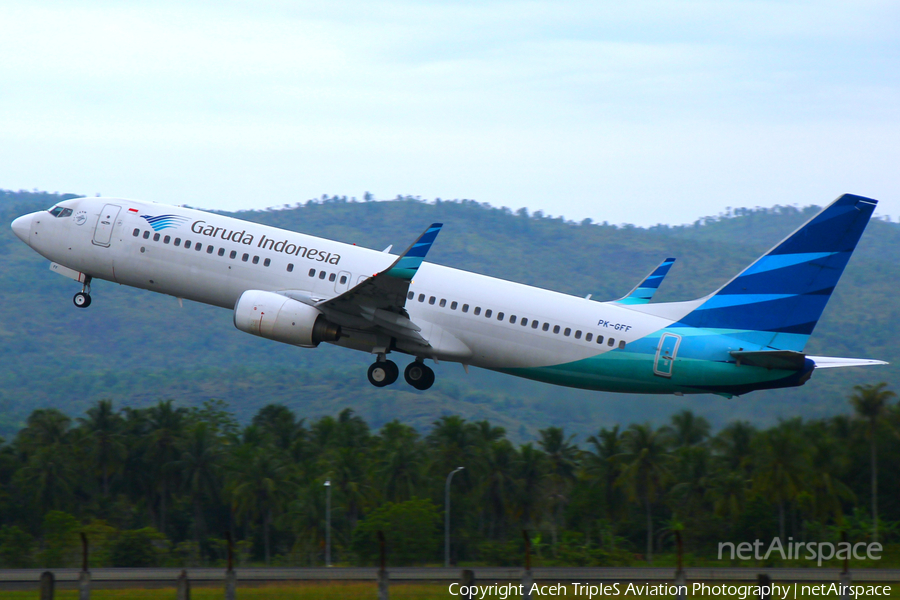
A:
137,347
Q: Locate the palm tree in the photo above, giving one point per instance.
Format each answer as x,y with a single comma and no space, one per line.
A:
104,427
688,429
601,465
562,459
530,470
781,468
499,484
165,424
200,463
646,468
401,461
259,482
871,404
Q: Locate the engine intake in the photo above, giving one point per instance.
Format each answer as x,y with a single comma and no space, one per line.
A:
276,317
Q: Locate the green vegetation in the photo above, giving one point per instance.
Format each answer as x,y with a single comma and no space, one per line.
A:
136,347
160,486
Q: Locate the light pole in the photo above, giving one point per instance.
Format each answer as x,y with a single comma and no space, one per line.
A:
447,516
328,523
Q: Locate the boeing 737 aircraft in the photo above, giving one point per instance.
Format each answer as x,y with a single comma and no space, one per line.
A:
304,290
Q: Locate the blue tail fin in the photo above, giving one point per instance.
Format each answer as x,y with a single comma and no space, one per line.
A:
643,292
777,301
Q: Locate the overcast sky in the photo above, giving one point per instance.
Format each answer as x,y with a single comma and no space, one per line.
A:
638,111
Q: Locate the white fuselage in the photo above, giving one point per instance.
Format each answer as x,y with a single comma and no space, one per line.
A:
323,268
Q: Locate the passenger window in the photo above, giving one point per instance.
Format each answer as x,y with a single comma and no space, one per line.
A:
556,329
312,272
198,247
443,302
431,300
589,337
322,274
409,296
524,321
332,277
167,239
621,344
177,241
255,260
453,305
465,308
221,251
500,316
546,327
487,313
599,339
512,319
209,249
611,343
155,237
245,257
233,254
187,244
290,268
578,335
267,262
567,332
421,297
146,235
343,279
534,324
136,232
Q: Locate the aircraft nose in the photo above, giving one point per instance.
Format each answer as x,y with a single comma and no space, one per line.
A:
22,227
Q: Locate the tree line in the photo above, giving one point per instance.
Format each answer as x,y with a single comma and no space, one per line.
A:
162,485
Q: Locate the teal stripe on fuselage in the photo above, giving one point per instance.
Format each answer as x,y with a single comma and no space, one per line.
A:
623,371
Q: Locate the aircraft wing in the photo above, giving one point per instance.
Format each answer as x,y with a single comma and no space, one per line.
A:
643,292
378,302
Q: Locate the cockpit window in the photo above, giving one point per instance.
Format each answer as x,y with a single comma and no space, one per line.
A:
59,212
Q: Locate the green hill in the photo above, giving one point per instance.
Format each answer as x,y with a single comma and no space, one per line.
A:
137,347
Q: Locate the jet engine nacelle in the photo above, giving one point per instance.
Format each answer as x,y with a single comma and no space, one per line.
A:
279,318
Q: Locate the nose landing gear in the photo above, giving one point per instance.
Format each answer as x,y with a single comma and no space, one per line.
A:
83,298
418,375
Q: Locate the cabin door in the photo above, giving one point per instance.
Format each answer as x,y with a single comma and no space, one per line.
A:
665,354
105,223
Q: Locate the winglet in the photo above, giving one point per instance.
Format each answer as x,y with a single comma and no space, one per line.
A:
409,262
643,292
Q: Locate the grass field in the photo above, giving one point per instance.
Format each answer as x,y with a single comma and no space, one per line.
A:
360,591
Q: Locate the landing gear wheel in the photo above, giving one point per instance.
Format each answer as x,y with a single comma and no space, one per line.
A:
383,372
418,375
82,300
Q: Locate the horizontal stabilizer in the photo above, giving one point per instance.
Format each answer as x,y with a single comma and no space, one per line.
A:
771,359
795,361
829,362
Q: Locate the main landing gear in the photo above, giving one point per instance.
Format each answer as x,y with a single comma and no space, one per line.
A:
385,372
83,298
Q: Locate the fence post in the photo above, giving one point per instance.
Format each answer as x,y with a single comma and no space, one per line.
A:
230,577
846,579
84,578
47,585
383,592
183,591
527,577
765,586
680,579
468,579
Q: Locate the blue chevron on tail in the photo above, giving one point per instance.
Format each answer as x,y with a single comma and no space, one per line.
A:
643,292
778,300
409,262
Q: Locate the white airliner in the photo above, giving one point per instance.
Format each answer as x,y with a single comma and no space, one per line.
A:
305,290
